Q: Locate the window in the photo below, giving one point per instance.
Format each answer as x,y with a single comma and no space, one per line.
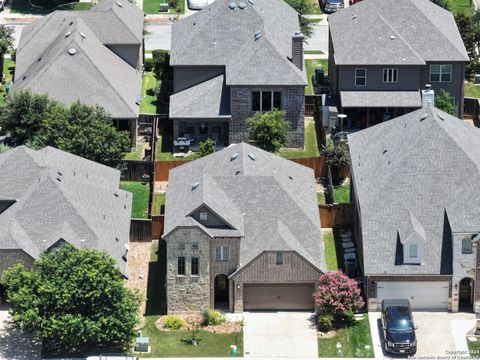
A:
466,246
203,216
413,251
221,253
361,77
181,265
440,73
181,246
195,246
194,266
266,100
390,75
279,258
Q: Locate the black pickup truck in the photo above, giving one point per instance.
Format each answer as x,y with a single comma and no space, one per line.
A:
398,327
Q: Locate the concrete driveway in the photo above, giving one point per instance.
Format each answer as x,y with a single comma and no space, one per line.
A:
290,334
438,333
15,346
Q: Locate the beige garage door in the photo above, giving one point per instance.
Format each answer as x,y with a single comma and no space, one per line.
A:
278,296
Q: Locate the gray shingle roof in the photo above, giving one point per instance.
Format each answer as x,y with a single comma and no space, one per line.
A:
220,36
270,201
93,75
62,196
408,172
209,99
395,32
380,99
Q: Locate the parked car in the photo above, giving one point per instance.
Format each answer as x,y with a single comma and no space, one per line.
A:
398,327
354,1
340,136
330,6
197,4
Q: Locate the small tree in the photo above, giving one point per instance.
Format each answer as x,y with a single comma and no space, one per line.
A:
73,300
337,294
338,156
444,102
161,64
193,324
6,43
207,147
269,130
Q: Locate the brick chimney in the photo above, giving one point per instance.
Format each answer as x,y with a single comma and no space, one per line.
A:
297,49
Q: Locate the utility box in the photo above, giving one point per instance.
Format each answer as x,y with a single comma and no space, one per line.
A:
477,78
163,7
142,344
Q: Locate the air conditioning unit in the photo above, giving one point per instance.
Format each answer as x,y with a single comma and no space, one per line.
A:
163,7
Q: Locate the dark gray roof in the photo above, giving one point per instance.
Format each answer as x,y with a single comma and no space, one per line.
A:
408,174
220,36
209,99
62,196
395,32
380,99
94,74
270,201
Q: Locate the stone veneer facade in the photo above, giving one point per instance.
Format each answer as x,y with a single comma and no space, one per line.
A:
9,258
293,104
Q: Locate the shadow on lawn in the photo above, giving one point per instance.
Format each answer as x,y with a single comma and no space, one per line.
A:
157,274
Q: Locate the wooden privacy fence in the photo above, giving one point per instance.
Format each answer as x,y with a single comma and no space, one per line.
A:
137,170
318,164
140,230
336,215
162,168
472,108
311,104
157,226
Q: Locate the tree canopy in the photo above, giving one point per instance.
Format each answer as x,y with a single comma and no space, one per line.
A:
83,130
207,147
303,8
268,130
74,300
6,42
444,101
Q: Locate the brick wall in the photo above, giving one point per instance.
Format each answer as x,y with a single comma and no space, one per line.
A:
293,102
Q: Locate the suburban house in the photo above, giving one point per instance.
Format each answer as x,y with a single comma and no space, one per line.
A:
242,232
92,56
231,60
415,183
382,54
49,197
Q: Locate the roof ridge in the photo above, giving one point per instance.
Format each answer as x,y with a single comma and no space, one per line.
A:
123,22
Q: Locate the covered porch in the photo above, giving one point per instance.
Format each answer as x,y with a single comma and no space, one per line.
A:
201,129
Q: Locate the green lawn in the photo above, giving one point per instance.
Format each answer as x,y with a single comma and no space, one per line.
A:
25,7
311,146
462,6
177,343
8,70
134,155
330,251
313,52
311,65
356,341
141,194
163,151
149,100
474,348
158,201
314,7
341,194
153,7
472,90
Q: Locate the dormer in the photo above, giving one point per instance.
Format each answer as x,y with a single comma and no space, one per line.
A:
412,238
209,219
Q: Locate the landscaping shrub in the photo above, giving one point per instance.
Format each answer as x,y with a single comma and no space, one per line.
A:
207,147
148,64
172,4
325,322
212,317
173,322
348,317
161,64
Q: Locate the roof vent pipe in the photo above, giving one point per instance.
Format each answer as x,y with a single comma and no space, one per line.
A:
258,35
232,5
242,5
297,49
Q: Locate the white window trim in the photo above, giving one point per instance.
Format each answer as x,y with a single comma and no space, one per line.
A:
394,71
203,216
410,246
360,76
224,253
471,247
271,101
440,73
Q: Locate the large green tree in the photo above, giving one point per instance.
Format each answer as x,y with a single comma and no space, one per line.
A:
73,300
303,8
444,101
470,33
268,130
85,131
443,3
6,43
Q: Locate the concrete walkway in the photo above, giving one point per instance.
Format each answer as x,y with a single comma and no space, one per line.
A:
282,334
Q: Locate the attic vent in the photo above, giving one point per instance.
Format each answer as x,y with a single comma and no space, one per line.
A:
251,2
71,23
392,37
59,180
119,4
354,16
72,51
423,117
39,59
441,118
59,173
68,34
232,5
291,178
258,35
251,156
117,239
234,156
384,152
242,5
195,185
237,172
116,195
83,35
82,240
